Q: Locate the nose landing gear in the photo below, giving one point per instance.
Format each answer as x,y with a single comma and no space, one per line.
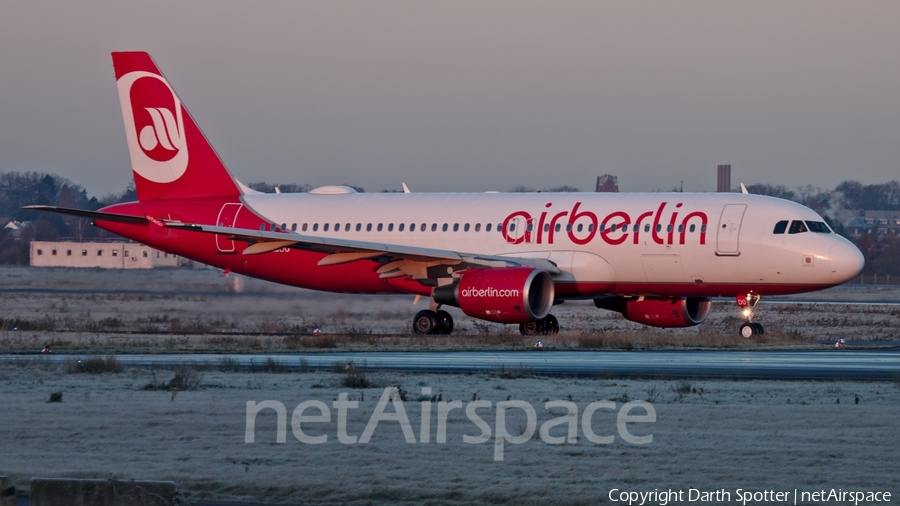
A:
749,328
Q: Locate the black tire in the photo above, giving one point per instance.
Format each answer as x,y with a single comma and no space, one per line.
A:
748,330
425,322
444,323
551,325
759,328
531,328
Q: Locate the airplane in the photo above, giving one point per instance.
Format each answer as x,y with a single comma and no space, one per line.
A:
656,258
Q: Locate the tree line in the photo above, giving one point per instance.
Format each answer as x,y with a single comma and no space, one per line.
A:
19,189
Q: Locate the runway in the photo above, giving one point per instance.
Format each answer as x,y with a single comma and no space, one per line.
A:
867,365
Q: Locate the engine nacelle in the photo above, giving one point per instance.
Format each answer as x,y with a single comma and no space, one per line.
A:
502,295
660,311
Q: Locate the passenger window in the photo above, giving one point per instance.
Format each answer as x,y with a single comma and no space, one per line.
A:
390,227
780,227
659,228
315,227
359,227
693,227
558,227
400,227
412,227
546,227
422,228
647,227
444,227
580,226
797,227
304,227
591,228
818,227
347,227
569,227
669,228
478,227
512,227
703,228
379,227
369,227
262,227
466,228
613,227
456,227
487,228
337,227
434,227
293,227
325,228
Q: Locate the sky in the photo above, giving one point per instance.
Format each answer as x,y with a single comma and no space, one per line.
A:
469,96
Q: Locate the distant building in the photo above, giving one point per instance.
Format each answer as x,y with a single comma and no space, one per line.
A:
607,183
106,255
15,227
858,222
723,181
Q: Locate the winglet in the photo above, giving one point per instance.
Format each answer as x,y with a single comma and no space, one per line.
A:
744,189
405,188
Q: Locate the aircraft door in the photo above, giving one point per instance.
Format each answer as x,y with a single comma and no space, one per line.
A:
515,230
727,237
227,218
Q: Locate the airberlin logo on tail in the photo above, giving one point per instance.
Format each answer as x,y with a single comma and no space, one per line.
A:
154,126
666,225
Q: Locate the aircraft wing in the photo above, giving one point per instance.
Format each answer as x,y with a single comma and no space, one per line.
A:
397,260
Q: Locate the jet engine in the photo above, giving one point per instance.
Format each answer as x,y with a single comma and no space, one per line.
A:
659,311
502,295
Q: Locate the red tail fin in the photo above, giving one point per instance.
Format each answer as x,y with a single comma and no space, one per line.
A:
170,156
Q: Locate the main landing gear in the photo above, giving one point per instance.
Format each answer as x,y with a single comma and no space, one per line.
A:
548,325
432,322
749,328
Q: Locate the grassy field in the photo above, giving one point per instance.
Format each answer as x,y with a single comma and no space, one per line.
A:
96,419
184,310
190,427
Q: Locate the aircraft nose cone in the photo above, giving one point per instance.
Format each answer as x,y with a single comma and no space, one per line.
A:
846,261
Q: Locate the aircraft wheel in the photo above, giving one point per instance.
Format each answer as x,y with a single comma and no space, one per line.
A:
444,323
759,328
551,325
749,330
531,328
425,322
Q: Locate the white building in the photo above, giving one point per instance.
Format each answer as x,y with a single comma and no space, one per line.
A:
108,255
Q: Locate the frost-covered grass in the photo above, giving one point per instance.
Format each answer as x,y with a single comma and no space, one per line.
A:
708,434
183,310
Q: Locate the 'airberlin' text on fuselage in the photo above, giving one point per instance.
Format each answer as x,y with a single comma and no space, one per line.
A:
662,226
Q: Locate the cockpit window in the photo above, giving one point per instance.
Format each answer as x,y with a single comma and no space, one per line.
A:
780,227
818,226
797,227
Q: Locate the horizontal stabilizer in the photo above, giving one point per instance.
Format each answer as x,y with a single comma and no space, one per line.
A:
94,215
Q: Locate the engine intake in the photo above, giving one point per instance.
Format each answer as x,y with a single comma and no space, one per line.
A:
660,311
502,295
